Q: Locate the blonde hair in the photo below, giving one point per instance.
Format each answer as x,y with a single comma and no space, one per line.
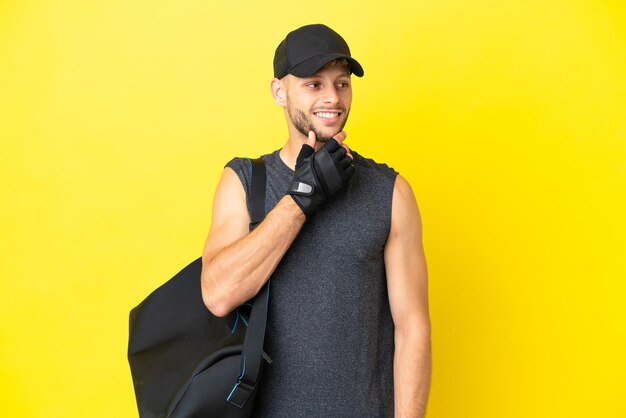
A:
339,61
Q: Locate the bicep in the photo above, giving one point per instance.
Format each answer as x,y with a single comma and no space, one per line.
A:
405,262
230,219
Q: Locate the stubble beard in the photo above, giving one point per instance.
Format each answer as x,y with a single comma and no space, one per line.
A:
303,124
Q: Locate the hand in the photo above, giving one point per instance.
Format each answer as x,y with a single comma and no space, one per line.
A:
320,174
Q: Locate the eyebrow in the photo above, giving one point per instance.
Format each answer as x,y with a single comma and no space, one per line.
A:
318,77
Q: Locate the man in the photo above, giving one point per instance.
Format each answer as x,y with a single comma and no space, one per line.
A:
348,323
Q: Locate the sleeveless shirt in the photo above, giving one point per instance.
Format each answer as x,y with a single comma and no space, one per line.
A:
329,327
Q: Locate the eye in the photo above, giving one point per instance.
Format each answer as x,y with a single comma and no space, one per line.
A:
343,85
313,85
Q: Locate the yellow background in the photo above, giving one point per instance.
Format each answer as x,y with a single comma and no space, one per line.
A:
507,117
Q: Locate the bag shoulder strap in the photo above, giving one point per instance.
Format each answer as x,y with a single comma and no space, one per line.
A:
252,353
257,192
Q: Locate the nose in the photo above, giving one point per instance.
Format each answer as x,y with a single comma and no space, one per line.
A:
331,95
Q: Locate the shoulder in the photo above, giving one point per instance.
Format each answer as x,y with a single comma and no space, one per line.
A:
239,165
242,168
243,165
405,211
372,167
403,189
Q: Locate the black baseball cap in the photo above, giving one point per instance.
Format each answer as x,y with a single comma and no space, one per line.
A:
307,49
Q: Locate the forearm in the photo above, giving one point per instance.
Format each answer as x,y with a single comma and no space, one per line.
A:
412,370
237,272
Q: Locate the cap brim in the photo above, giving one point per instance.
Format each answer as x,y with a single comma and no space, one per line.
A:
310,66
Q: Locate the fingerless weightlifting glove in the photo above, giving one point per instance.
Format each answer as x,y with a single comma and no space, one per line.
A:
319,174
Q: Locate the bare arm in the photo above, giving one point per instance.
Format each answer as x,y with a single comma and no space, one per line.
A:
235,263
405,264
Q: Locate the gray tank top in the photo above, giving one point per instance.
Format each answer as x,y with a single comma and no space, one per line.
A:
329,329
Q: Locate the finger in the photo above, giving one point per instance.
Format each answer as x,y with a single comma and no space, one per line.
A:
349,172
340,153
345,163
305,151
332,145
347,151
340,137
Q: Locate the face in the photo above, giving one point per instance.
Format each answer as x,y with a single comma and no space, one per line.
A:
320,103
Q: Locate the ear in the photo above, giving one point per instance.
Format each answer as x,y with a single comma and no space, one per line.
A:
279,91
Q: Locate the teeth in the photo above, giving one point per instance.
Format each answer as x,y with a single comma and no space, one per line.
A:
327,115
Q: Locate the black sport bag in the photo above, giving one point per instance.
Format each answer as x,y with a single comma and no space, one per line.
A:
186,362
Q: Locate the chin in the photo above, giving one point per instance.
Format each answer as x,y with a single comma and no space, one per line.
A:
325,136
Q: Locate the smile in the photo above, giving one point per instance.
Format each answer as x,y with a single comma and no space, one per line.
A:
328,117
